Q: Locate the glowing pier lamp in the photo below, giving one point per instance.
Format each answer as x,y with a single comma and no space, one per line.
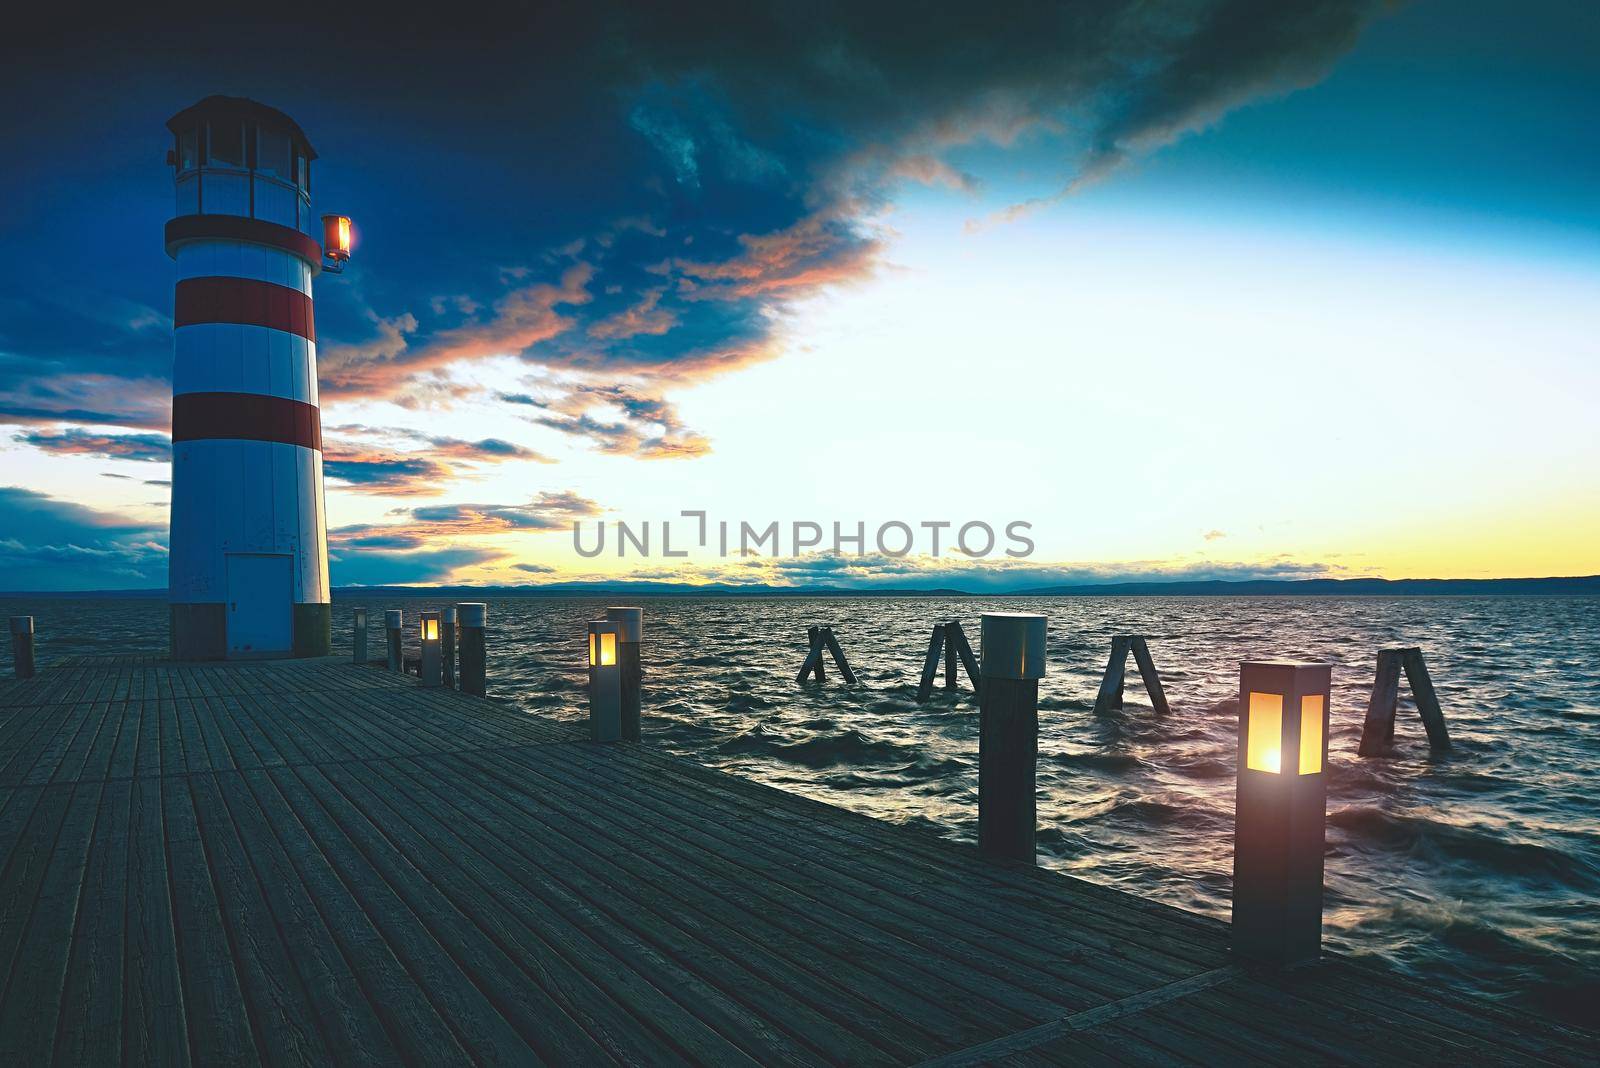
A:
358,626
605,681
431,669
1281,810
335,242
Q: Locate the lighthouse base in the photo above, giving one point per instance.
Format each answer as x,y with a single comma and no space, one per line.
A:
200,631
313,629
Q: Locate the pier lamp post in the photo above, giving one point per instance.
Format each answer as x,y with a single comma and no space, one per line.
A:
1281,810
630,622
393,620
1012,649
447,645
605,681
430,669
358,641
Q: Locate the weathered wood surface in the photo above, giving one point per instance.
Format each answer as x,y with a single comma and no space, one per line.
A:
313,862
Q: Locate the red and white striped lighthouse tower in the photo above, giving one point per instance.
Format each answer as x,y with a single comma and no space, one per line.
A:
248,574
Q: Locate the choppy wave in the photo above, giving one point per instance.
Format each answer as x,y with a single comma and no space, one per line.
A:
1479,868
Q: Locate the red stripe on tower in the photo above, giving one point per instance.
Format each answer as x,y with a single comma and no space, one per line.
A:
246,417
245,301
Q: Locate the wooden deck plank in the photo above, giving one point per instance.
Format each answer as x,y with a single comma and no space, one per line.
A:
154,1015
410,1019
308,862
627,1021
449,983
220,1029
91,1027
535,889
31,1003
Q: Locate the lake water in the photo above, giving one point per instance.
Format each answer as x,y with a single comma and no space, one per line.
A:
1479,868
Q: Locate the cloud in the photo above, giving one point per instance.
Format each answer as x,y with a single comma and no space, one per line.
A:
52,544
393,461
372,568
534,569
1215,535
616,419
627,197
76,441
421,526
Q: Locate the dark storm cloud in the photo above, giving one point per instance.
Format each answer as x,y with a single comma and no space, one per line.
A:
634,196
51,544
75,441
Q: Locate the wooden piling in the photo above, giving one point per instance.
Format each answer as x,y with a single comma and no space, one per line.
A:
955,636
1112,684
931,663
393,620
1377,732
1008,735
838,655
1147,672
472,618
813,660
22,646
1110,695
630,622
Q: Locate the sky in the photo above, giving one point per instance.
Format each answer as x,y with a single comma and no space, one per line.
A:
1189,289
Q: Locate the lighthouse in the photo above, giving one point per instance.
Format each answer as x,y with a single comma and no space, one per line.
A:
248,571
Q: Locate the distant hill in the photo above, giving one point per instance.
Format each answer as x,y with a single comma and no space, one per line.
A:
1587,585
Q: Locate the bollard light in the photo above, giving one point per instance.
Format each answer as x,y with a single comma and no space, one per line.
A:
431,668
605,681
630,623
1281,810
1008,734
358,644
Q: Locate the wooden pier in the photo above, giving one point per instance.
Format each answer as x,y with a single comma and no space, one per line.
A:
315,862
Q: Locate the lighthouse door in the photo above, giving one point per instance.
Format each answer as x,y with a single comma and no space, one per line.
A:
259,599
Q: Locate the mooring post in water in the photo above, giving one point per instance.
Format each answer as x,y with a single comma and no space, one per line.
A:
1111,684
1280,811
605,681
358,635
930,663
630,630
473,617
22,646
949,641
393,620
837,652
447,646
1012,645
1377,733
430,665
812,665
955,643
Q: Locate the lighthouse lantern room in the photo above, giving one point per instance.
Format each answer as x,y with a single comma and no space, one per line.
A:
249,559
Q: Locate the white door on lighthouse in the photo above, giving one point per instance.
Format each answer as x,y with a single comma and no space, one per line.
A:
259,604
